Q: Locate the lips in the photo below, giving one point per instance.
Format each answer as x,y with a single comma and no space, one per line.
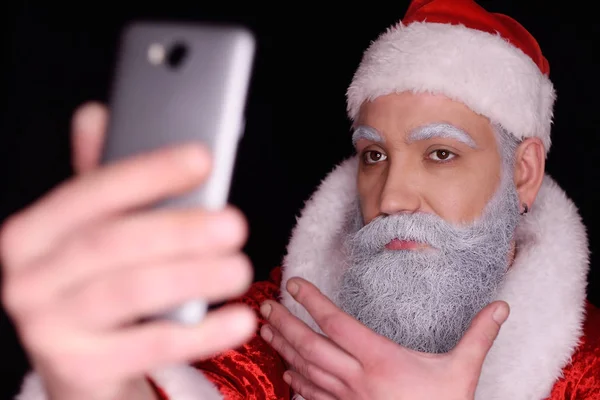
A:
398,244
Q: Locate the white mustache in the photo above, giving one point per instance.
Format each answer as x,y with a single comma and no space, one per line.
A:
423,228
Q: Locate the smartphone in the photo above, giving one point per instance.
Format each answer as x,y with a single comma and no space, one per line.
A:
177,83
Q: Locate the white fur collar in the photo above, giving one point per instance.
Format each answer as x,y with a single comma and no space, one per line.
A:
545,286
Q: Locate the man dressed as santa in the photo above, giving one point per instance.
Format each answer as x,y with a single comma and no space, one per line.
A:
444,209
442,218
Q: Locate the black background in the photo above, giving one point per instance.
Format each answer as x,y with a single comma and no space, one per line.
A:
61,54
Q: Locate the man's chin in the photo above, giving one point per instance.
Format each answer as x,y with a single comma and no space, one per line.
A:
420,332
416,299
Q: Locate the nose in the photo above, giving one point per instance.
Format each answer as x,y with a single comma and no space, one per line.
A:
400,191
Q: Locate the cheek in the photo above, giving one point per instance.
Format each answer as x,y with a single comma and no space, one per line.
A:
369,190
462,196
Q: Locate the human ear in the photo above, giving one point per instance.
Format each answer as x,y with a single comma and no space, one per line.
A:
530,163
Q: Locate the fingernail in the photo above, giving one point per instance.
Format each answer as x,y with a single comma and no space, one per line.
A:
265,310
266,333
500,314
287,378
292,288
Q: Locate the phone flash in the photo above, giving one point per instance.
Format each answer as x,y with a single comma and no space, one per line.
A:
156,53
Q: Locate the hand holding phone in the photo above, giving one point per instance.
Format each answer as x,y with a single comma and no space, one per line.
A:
140,234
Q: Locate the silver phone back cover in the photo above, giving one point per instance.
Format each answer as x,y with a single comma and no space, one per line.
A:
153,105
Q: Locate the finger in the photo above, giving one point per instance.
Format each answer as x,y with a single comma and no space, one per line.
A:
139,239
305,388
88,128
471,351
310,371
139,349
132,183
126,296
313,347
348,333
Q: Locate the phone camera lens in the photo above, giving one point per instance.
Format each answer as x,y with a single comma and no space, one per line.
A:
176,55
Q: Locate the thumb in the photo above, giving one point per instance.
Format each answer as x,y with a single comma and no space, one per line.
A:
88,128
471,351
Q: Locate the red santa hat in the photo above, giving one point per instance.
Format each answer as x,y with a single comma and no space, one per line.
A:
487,61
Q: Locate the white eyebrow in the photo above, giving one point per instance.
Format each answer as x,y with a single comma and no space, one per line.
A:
366,132
441,131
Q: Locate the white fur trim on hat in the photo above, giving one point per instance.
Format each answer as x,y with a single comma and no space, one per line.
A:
483,71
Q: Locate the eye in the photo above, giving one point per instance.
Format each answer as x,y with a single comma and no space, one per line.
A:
441,155
373,157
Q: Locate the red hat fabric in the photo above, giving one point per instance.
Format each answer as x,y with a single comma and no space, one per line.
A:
487,61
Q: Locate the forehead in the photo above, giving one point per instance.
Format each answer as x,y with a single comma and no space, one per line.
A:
397,116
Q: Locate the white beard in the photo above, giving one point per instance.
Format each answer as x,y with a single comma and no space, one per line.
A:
426,299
